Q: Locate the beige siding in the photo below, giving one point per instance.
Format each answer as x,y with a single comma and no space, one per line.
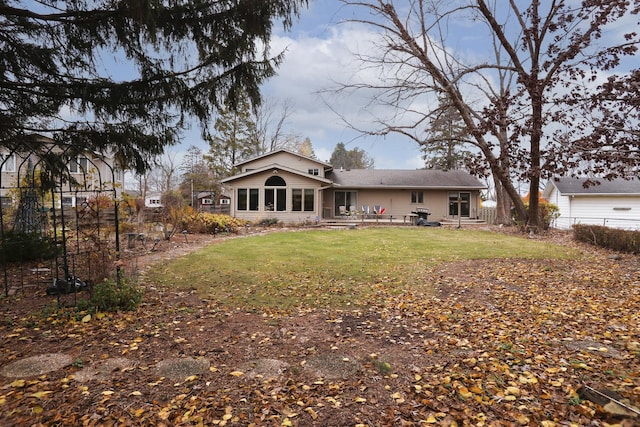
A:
293,181
398,202
286,159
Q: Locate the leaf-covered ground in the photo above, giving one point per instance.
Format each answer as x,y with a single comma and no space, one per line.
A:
498,343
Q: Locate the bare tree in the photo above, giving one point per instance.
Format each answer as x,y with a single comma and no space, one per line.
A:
271,133
520,101
164,174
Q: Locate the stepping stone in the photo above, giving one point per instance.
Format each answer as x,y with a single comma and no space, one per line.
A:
36,365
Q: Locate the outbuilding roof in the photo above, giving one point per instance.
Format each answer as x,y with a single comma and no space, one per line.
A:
595,186
397,178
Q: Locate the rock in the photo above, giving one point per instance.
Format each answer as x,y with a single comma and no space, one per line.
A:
36,365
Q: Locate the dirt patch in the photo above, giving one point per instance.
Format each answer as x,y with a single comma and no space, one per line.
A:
182,368
104,369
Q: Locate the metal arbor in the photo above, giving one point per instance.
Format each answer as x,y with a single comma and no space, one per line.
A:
59,225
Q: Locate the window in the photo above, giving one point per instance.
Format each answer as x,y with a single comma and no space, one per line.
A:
8,162
302,200
247,199
67,201
314,172
79,165
417,197
275,198
206,201
5,201
225,201
242,199
309,204
296,200
117,174
253,199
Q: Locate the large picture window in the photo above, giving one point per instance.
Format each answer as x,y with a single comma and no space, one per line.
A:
302,200
247,199
275,197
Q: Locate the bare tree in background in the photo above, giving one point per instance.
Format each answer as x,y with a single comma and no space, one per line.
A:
270,119
528,103
164,175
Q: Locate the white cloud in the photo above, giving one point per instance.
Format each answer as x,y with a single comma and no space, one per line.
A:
312,67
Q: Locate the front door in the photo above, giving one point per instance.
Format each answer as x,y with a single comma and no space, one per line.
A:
462,200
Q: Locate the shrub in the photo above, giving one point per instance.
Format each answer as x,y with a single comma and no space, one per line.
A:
110,296
547,212
266,222
205,223
610,238
20,246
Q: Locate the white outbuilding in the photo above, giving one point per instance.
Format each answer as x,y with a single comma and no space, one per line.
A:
594,201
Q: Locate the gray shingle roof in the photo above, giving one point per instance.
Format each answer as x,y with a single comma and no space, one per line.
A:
568,186
395,178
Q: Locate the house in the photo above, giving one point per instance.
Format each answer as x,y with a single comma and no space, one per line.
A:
153,200
613,203
293,188
85,175
209,201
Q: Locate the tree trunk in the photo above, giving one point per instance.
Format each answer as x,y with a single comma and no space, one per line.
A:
503,205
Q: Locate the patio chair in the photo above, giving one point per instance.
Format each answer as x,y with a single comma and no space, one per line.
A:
365,211
378,210
352,210
343,210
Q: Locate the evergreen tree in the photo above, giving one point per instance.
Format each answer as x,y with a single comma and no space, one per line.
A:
233,141
443,147
356,158
173,60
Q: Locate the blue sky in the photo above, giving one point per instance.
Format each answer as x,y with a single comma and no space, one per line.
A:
318,52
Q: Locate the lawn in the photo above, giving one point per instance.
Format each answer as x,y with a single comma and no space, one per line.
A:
336,268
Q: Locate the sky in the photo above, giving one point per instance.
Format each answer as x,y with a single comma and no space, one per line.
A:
318,53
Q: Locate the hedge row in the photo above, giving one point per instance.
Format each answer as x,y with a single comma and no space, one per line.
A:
611,238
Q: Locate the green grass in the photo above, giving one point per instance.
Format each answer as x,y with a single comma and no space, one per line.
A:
334,268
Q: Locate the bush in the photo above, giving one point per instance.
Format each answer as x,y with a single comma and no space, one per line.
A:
268,222
611,238
208,223
108,296
19,246
547,212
